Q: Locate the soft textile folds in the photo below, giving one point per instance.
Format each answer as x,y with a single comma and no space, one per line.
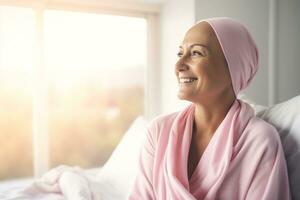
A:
244,160
61,183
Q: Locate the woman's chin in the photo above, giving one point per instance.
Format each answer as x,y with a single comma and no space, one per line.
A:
184,96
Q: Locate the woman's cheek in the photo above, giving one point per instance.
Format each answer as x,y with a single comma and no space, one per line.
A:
202,66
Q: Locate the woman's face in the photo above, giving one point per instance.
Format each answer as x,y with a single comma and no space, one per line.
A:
201,69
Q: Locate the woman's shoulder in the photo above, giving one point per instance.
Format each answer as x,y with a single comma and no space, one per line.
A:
161,125
260,141
262,132
163,120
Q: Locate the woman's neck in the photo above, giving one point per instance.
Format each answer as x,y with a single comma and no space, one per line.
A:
209,115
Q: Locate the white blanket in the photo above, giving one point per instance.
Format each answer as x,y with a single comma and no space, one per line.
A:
61,183
113,181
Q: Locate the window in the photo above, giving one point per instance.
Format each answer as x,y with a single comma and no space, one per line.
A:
95,67
16,64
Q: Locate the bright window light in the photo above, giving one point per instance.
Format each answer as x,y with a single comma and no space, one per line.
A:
16,64
95,67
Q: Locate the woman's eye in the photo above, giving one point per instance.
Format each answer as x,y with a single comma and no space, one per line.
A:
179,54
197,53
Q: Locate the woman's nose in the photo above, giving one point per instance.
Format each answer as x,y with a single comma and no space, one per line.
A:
181,65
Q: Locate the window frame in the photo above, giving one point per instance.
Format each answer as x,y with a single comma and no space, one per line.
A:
152,102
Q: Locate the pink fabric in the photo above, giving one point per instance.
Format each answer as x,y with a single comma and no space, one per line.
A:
244,160
239,50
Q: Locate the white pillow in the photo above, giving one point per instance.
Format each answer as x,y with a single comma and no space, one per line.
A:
286,118
119,172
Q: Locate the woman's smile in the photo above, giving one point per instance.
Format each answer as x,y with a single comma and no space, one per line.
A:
186,80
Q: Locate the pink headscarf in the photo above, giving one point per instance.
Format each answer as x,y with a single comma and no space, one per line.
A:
239,50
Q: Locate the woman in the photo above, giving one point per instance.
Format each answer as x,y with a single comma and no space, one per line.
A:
215,148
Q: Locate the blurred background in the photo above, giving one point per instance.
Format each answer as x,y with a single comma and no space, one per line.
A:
75,74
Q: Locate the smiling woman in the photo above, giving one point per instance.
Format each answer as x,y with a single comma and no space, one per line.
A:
215,146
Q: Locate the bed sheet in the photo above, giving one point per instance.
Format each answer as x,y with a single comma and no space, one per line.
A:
100,189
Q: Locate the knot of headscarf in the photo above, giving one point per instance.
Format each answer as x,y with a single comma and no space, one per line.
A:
239,49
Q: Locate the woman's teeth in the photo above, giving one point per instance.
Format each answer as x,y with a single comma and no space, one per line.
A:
187,80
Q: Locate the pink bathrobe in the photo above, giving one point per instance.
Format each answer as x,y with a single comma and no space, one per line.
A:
244,159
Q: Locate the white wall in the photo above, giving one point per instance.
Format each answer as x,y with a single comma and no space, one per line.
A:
288,49
177,16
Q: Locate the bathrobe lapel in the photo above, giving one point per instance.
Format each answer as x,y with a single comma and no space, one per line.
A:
211,169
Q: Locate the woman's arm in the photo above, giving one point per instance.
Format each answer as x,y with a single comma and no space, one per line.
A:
143,186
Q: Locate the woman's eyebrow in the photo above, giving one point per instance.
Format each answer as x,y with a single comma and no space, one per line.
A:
202,45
